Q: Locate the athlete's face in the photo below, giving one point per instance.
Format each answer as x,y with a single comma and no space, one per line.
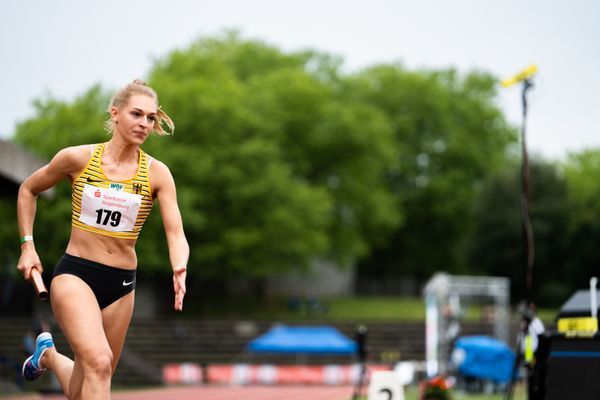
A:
136,119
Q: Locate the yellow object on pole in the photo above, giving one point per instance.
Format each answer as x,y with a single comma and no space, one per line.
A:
521,76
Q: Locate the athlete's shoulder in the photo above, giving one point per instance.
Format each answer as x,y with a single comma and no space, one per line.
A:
72,158
155,164
160,174
74,153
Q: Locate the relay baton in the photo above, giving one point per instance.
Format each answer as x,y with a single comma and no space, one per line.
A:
38,284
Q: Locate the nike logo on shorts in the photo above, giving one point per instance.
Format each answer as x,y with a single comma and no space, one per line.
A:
125,283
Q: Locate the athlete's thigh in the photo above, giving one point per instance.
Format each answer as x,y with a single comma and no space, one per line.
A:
116,318
78,315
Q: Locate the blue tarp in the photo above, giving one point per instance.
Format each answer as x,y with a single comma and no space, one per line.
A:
484,357
303,339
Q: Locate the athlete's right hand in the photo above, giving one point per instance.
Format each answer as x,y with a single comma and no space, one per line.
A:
29,259
179,274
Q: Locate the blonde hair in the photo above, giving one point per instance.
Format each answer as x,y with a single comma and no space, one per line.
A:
122,98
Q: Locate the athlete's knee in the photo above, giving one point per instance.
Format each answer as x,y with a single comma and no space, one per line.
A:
97,364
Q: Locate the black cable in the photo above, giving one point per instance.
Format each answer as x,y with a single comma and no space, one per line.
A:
525,200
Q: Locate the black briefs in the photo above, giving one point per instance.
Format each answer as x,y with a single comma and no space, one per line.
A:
109,284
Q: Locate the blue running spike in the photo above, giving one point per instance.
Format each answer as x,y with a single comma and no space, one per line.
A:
31,367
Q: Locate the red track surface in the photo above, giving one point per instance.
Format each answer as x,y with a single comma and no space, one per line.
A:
223,393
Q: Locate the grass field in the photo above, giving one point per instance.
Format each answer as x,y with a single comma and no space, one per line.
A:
343,308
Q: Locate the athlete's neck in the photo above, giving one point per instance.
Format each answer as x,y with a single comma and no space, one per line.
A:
119,153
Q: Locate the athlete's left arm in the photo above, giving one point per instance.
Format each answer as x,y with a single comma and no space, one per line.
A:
179,250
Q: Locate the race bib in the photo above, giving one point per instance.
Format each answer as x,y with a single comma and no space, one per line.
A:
109,209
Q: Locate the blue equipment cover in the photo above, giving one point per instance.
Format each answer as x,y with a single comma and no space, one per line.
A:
303,339
484,357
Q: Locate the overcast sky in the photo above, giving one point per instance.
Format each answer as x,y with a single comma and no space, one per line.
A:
62,47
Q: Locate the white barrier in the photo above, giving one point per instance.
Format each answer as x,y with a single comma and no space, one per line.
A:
385,385
245,374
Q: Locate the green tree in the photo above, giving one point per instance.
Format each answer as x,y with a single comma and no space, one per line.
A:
247,109
496,245
581,171
452,136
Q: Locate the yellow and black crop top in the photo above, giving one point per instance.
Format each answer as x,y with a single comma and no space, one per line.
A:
112,208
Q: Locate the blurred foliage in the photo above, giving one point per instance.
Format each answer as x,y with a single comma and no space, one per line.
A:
581,172
452,137
496,246
281,158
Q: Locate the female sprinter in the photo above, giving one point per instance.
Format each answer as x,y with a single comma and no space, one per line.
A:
114,185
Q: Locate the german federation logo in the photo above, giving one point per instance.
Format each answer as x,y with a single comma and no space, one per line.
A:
137,188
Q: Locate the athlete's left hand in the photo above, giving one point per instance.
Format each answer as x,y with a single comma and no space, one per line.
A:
179,274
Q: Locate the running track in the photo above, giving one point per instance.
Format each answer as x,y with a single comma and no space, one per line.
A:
223,393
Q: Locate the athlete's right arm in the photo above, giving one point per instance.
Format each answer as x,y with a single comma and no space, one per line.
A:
66,163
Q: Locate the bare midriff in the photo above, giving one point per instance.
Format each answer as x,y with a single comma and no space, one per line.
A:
119,253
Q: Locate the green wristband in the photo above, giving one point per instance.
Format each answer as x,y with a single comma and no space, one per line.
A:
26,238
